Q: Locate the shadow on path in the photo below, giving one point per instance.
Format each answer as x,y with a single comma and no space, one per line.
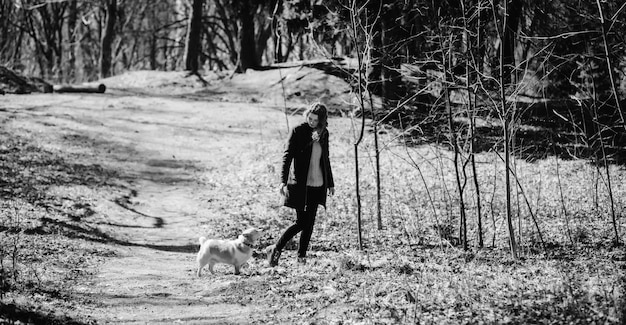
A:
20,315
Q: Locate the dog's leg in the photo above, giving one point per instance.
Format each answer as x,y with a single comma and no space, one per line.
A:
200,266
211,263
237,268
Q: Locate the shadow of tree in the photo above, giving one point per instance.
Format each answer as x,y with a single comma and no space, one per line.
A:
14,314
28,171
563,128
540,130
124,202
86,232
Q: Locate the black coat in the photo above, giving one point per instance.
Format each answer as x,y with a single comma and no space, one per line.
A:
298,150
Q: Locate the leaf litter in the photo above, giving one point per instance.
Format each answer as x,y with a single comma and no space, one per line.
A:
91,207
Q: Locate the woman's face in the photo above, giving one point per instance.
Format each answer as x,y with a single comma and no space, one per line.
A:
312,120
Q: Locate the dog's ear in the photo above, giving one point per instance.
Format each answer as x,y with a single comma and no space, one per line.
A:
251,234
251,231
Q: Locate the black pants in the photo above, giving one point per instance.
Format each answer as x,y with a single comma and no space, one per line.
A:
304,222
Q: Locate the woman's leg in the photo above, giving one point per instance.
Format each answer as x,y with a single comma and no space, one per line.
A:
304,224
314,197
307,230
288,234
293,230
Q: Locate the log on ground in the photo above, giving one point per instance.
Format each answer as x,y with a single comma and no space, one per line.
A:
84,88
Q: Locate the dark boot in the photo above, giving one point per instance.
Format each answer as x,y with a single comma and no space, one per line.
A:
273,256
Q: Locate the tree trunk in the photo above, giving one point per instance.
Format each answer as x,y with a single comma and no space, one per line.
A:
107,39
471,100
619,110
376,77
247,46
231,31
71,34
354,29
506,129
17,52
455,146
194,30
264,34
152,57
379,217
278,33
179,34
513,13
385,75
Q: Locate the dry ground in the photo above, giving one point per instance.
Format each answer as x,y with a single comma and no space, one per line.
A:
105,195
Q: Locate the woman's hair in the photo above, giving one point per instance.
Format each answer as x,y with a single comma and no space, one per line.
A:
322,114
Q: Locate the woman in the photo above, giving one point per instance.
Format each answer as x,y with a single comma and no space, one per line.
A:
305,186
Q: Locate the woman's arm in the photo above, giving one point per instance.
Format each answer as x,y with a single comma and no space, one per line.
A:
330,179
288,154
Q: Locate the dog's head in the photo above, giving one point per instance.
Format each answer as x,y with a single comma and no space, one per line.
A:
251,235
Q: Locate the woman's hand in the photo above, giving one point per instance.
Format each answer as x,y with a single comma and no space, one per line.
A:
315,136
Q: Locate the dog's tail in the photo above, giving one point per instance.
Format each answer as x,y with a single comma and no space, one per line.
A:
201,240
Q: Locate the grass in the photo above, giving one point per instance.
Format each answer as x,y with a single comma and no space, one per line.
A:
42,258
411,271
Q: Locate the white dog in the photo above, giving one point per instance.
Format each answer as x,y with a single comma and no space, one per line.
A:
234,252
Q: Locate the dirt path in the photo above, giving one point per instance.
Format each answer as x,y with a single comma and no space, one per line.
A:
116,188
179,167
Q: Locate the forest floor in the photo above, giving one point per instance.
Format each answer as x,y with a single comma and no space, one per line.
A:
104,197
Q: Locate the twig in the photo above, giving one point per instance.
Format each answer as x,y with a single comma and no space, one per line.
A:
530,210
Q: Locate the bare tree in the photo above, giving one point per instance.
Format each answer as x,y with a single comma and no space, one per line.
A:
619,110
356,26
609,63
72,32
192,43
470,63
247,47
378,57
44,23
106,43
505,114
